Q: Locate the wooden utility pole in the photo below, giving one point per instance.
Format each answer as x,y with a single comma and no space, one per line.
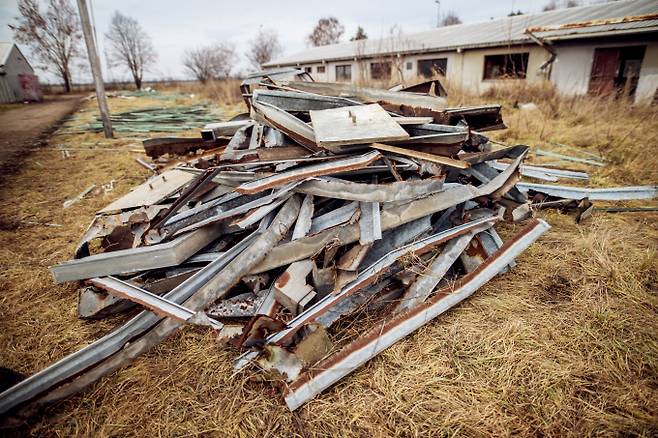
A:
95,63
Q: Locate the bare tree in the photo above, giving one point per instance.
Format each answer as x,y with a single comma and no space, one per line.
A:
130,46
53,35
263,48
210,62
327,31
359,35
450,19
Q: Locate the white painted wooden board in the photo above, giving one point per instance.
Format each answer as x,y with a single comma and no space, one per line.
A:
359,124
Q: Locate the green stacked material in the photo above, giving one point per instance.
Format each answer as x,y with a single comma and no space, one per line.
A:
158,119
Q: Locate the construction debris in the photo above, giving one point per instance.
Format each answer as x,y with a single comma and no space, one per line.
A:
328,205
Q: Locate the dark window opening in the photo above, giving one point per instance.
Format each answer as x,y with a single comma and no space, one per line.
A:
616,70
308,69
409,65
431,67
509,66
320,68
380,70
343,72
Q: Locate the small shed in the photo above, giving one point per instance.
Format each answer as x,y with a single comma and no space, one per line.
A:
18,82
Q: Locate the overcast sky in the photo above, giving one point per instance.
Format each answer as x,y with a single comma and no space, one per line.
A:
175,25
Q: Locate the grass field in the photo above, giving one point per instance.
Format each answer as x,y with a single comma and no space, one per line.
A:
565,344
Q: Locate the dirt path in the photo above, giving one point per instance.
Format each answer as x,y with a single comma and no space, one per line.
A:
23,127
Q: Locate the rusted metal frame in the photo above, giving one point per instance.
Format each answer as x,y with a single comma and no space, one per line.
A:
397,191
330,167
157,304
259,213
481,157
396,238
184,218
439,159
72,365
370,228
448,138
194,189
430,278
256,138
244,208
391,217
363,279
136,259
334,217
305,219
327,372
155,147
594,194
484,173
212,288
284,122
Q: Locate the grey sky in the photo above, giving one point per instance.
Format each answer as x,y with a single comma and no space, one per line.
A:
178,24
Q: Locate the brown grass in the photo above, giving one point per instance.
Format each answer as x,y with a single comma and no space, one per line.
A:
565,344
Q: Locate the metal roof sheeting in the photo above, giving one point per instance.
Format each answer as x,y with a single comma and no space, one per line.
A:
508,30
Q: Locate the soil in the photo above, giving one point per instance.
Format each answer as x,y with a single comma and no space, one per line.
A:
26,126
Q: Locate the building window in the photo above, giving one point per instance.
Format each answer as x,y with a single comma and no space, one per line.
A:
380,70
320,68
343,72
616,70
510,66
308,69
409,65
431,67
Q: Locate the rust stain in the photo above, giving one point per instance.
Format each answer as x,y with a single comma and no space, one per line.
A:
589,23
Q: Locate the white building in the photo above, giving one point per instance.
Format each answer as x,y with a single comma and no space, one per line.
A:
17,79
590,49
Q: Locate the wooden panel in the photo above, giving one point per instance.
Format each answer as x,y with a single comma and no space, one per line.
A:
359,124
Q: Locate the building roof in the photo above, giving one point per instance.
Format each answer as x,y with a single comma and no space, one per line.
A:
502,31
5,50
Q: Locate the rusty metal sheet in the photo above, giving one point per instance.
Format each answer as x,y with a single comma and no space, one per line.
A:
321,312
391,217
439,159
301,173
383,335
397,191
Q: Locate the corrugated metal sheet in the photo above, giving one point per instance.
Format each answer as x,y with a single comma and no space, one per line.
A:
486,34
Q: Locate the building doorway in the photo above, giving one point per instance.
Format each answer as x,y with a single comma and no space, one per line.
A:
616,71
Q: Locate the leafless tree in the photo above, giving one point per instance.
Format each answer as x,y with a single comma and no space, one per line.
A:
450,19
130,46
210,62
359,35
53,35
327,31
263,48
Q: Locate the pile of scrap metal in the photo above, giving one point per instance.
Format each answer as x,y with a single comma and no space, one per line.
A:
328,206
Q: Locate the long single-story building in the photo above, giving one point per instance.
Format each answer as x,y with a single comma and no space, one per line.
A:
597,49
18,82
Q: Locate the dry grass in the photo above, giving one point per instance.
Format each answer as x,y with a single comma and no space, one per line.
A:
563,345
